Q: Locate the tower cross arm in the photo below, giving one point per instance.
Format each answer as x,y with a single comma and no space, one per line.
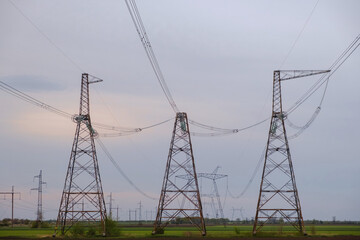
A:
291,74
212,176
203,175
93,79
96,81
185,176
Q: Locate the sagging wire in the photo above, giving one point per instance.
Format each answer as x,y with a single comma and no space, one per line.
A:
323,80
129,132
220,131
118,168
140,28
120,131
301,129
261,159
27,98
10,90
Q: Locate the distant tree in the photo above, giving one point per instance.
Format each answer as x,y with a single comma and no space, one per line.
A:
111,228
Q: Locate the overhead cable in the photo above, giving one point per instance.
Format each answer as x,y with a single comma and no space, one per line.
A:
220,131
140,28
130,131
302,128
118,168
25,97
299,35
120,131
324,79
46,37
261,159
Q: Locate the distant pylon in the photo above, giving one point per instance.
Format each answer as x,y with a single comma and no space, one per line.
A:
278,197
180,198
215,176
215,194
82,197
39,212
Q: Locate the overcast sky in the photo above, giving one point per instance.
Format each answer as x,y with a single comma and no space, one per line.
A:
217,57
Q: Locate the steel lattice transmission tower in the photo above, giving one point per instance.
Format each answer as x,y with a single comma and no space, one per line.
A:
278,197
180,198
215,176
39,212
218,210
82,197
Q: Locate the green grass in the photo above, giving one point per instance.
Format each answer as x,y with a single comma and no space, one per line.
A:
212,231
25,232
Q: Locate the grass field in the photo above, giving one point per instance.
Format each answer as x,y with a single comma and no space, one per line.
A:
212,231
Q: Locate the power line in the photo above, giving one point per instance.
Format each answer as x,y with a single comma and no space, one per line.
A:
27,98
261,159
124,133
121,131
299,35
46,37
221,131
324,79
153,61
116,165
135,15
139,25
140,28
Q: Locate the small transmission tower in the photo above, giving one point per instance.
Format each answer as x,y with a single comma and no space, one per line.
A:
82,183
278,197
180,198
215,176
215,194
39,212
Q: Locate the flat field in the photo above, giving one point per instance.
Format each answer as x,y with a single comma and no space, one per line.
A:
348,232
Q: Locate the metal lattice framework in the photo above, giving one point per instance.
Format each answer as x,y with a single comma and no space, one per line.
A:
180,198
39,212
218,210
278,198
82,198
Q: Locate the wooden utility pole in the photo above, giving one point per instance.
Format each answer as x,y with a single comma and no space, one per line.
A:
12,193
